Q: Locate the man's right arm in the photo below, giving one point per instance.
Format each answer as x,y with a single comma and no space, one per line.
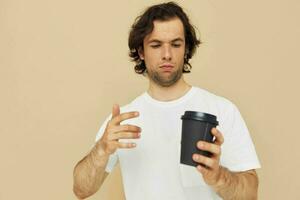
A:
89,173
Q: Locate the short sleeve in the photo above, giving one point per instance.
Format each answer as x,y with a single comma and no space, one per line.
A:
238,151
112,158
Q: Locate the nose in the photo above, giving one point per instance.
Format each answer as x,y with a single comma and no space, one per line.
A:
167,54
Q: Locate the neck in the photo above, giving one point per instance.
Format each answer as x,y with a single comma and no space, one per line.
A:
170,93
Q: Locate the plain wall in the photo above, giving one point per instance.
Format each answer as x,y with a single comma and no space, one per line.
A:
64,63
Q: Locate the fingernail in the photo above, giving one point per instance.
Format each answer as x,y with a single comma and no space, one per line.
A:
136,113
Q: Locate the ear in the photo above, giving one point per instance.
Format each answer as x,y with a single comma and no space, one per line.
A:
141,53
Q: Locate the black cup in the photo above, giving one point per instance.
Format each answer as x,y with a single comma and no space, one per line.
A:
195,126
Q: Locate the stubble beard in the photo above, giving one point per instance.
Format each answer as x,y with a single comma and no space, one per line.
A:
165,81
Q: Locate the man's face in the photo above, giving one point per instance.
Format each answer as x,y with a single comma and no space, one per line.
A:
163,53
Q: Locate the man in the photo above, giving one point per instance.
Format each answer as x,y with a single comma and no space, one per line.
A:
145,136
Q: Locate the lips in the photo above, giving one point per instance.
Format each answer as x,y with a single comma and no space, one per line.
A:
167,67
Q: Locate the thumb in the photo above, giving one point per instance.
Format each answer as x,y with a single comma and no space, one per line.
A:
115,110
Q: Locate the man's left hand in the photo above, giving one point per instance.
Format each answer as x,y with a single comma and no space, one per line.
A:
212,169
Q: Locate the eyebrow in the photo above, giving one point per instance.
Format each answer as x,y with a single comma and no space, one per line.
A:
158,41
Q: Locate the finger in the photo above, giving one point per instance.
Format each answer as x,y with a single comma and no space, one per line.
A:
124,116
219,137
209,162
123,145
203,170
115,110
211,147
124,135
126,127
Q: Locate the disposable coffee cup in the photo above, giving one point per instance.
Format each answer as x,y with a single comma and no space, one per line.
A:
195,126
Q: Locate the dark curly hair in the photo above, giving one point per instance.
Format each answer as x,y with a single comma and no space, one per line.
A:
143,25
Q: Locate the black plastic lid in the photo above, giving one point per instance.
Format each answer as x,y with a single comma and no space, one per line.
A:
200,116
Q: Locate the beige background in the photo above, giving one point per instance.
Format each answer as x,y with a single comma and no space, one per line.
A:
64,63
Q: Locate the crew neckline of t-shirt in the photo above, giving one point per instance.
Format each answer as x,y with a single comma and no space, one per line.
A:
181,99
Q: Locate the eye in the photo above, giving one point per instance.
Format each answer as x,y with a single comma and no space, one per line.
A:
176,45
155,46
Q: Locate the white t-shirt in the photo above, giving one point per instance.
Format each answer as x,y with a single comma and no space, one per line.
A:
152,170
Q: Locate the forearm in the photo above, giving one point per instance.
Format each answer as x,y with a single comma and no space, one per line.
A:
89,174
237,185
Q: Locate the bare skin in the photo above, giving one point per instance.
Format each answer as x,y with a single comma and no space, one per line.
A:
89,173
165,45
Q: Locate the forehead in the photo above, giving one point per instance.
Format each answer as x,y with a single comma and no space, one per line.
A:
166,30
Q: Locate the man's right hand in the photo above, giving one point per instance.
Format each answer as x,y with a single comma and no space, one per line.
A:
109,141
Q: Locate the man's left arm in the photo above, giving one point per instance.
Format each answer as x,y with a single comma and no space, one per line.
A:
227,184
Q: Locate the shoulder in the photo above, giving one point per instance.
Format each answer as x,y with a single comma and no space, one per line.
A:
214,99
133,105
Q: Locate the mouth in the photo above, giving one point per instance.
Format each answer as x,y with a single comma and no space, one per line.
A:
167,67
